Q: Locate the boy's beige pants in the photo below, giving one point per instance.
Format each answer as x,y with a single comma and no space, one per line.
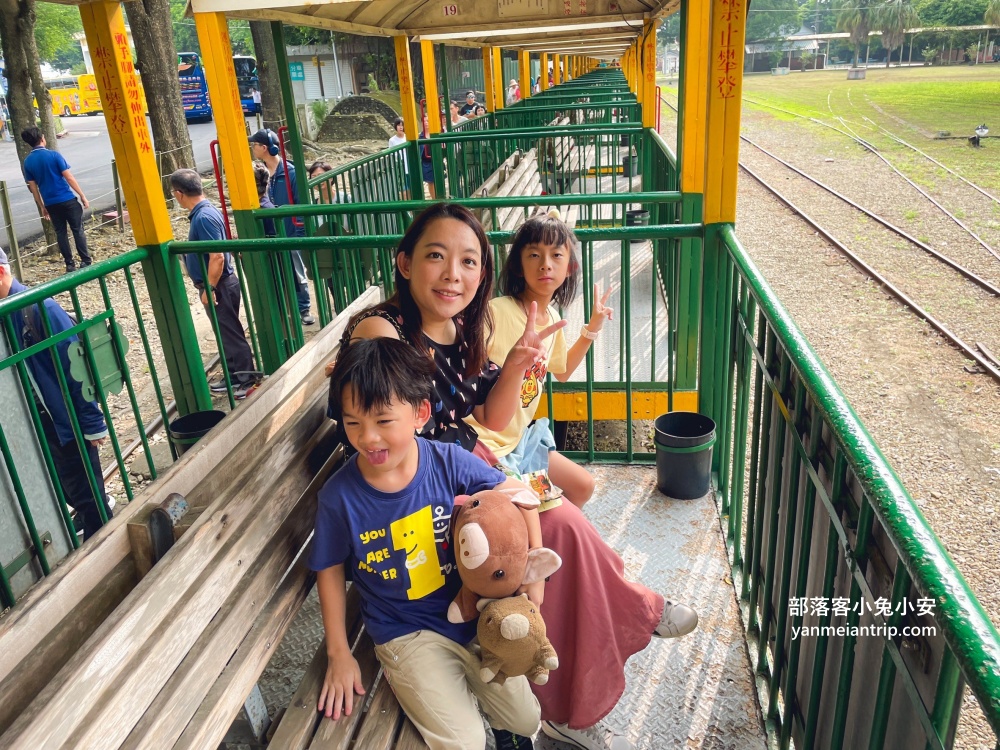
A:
437,684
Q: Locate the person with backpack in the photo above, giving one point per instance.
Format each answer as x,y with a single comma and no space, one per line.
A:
71,459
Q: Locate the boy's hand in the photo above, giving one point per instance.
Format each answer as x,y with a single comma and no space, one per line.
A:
535,592
342,681
329,367
530,348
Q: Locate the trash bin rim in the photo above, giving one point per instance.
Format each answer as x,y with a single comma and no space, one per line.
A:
686,449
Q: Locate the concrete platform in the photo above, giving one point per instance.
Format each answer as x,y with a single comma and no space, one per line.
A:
693,692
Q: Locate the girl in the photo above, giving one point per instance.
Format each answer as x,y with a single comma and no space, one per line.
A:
595,618
542,269
542,272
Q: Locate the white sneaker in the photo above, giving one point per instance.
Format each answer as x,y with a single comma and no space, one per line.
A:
676,620
596,737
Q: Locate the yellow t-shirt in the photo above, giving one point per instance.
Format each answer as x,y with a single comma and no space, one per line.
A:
509,320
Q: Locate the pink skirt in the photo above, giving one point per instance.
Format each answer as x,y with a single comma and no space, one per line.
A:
594,618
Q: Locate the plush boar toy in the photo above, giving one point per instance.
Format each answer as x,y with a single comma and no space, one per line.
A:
512,636
491,550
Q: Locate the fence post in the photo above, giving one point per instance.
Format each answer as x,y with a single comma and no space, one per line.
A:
15,252
119,206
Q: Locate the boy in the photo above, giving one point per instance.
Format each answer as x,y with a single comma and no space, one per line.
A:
386,513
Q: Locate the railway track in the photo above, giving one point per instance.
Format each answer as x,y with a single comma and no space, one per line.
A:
971,345
847,131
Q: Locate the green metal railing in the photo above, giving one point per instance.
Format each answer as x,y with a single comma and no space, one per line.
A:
103,367
823,539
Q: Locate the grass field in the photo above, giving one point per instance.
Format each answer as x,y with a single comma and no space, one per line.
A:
954,98
913,103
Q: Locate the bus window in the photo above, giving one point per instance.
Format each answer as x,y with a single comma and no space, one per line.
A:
246,80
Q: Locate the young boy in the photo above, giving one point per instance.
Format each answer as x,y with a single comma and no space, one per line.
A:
386,514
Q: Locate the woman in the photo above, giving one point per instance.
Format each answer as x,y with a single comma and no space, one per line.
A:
398,140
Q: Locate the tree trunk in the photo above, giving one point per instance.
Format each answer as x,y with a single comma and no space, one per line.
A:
857,55
152,30
17,38
272,111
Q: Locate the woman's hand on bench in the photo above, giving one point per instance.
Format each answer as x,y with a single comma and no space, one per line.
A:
342,681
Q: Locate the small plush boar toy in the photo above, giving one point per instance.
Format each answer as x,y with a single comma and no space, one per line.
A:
512,636
491,550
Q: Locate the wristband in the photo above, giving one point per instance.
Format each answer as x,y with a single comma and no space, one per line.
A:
588,334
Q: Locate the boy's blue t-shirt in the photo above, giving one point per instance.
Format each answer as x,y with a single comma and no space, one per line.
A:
397,543
45,168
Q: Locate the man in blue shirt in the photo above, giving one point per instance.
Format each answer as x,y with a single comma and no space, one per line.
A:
207,223
57,424
283,192
55,190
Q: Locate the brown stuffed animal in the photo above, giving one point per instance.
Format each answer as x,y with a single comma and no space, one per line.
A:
512,636
491,550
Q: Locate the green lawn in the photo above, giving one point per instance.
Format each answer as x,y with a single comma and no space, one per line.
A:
913,103
954,98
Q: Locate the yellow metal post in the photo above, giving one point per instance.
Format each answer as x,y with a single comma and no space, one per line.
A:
123,112
125,116
217,55
725,93
499,84
431,106
649,74
407,95
556,73
488,78
545,71
694,92
524,72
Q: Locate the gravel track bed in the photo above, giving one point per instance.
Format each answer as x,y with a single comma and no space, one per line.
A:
847,168
937,429
970,312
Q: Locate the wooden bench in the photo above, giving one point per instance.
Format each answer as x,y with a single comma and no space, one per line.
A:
562,163
112,651
377,721
565,162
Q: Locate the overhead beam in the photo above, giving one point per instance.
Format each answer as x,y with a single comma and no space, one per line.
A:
521,27
296,19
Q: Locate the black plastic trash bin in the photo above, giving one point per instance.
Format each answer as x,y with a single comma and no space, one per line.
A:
637,218
684,441
630,165
187,430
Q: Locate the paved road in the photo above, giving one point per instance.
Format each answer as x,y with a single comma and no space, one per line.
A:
87,148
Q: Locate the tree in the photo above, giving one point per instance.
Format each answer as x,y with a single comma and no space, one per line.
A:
772,18
854,17
152,30
267,75
55,27
24,81
893,18
992,15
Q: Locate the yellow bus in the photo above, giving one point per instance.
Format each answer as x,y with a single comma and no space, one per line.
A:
78,95
65,93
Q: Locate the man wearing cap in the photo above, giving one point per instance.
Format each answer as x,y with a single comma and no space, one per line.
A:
57,425
207,223
283,191
55,190
469,108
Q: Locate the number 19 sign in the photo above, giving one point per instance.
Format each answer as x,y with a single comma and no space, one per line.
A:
450,9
